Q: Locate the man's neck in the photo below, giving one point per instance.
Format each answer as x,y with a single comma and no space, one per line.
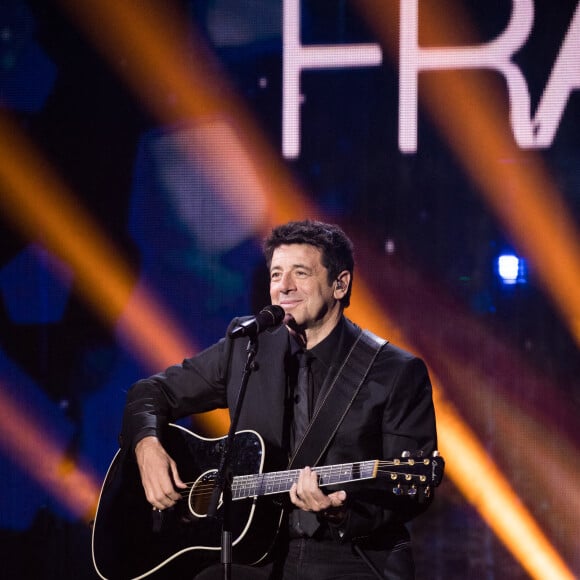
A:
316,334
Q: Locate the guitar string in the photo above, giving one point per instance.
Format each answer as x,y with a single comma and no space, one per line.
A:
275,478
346,469
324,471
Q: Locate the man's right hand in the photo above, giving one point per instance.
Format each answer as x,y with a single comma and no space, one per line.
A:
159,474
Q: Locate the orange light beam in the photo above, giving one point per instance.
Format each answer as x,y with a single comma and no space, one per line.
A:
545,455
408,295
152,47
469,116
527,204
39,203
484,486
471,468
154,51
41,206
45,459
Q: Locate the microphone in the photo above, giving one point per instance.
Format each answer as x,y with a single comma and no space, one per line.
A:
268,317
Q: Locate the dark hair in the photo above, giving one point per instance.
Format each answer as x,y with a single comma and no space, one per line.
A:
337,249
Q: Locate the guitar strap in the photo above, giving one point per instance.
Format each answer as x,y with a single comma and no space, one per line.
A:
337,400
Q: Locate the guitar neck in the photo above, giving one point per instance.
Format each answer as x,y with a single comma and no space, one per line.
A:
244,486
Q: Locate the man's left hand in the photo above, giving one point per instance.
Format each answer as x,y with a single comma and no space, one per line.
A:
307,495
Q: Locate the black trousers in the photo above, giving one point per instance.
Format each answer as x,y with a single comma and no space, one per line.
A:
311,559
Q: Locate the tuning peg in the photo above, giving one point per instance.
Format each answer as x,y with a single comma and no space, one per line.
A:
412,491
406,454
435,453
398,490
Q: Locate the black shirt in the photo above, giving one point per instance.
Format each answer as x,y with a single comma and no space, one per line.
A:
323,358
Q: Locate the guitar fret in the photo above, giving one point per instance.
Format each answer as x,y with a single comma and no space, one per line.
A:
259,484
345,472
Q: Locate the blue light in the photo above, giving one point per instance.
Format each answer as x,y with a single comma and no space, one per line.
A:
511,269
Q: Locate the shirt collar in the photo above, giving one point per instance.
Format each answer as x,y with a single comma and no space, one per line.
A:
325,350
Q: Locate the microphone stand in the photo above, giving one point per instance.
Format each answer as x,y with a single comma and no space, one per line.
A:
224,476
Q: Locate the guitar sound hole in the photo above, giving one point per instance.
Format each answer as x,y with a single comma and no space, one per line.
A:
200,494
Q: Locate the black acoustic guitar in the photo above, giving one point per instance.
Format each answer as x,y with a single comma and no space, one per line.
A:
131,540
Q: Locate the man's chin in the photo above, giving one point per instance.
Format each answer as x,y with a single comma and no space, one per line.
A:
295,329
292,322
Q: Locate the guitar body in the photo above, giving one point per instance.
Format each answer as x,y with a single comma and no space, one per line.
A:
131,540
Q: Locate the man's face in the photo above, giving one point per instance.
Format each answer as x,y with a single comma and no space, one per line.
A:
299,283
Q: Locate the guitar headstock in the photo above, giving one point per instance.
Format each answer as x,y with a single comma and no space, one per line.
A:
413,473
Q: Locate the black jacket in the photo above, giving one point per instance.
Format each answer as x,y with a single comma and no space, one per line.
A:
392,413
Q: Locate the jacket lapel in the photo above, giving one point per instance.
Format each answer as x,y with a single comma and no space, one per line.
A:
264,405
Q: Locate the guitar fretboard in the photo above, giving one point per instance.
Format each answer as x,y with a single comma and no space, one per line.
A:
244,486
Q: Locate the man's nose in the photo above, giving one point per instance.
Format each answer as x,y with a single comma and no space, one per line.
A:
286,283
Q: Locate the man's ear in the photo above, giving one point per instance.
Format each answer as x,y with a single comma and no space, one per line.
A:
341,283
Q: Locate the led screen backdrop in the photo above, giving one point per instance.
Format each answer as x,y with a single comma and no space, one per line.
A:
146,148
